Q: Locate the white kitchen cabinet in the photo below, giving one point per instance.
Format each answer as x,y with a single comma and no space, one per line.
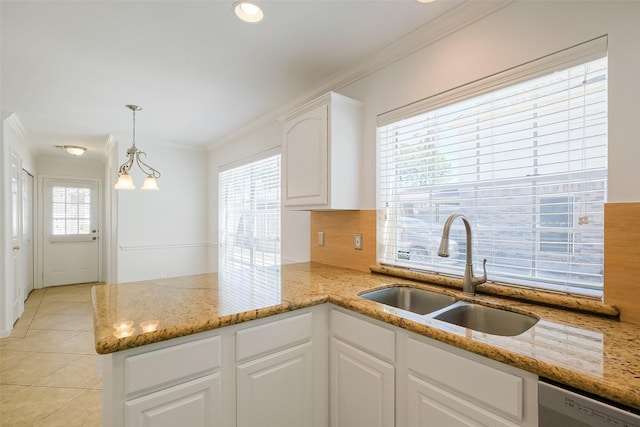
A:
441,385
386,376
322,154
266,372
275,375
362,384
194,404
362,388
277,390
318,366
175,382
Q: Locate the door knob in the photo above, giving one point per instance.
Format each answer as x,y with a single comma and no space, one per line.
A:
16,248
94,231
94,238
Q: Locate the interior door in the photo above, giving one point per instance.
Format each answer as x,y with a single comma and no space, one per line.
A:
26,245
17,299
71,251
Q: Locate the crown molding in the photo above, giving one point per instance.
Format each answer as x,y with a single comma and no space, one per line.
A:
109,144
454,20
16,125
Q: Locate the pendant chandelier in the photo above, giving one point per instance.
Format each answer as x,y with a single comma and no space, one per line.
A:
124,179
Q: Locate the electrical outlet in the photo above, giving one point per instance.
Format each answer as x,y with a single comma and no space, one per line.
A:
357,241
320,238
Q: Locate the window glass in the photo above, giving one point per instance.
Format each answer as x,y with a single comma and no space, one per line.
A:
249,215
71,211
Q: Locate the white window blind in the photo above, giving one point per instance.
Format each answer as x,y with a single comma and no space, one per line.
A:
526,163
249,215
70,211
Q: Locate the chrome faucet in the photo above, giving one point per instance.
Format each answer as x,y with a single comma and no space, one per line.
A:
469,282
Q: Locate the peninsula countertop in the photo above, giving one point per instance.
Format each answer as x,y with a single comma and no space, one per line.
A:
595,354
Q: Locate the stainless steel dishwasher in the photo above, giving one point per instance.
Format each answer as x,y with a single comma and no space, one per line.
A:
559,407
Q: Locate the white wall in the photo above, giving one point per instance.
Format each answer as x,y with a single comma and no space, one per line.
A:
164,233
295,225
515,34
70,166
520,32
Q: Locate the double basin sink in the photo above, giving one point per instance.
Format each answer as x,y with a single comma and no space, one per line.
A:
449,309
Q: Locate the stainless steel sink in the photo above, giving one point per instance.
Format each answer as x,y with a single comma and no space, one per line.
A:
487,319
418,301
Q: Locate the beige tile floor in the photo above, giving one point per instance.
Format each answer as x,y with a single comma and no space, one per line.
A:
48,366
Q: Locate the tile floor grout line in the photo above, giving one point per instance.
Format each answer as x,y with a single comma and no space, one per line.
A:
81,395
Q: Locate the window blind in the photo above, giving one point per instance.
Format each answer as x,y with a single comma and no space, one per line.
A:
249,215
526,163
70,211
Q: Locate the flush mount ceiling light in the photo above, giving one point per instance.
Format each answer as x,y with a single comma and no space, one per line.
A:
425,1
247,11
74,150
124,179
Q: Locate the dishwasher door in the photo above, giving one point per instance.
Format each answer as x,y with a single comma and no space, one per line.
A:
558,407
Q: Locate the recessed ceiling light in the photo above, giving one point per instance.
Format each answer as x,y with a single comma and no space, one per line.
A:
248,12
425,1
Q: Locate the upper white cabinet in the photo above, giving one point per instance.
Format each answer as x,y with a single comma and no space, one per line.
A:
321,154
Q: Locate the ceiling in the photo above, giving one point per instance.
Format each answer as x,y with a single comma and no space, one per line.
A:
200,74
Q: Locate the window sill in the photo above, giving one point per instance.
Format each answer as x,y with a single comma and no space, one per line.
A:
540,297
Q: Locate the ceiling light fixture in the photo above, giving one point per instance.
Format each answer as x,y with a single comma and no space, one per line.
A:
74,150
124,179
425,1
247,11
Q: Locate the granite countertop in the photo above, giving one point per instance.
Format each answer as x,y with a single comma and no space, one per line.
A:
593,353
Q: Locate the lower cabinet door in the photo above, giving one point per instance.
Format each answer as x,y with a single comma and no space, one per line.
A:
431,406
362,388
195,403
276,390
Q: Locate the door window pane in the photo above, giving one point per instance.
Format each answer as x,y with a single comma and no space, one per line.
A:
71,211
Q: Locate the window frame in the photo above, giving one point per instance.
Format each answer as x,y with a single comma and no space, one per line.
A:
575,55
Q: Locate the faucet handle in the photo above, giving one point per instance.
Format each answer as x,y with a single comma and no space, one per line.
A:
483,278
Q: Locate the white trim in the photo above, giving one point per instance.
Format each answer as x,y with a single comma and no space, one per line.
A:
456,19
14,123
110,143
565,58
143,247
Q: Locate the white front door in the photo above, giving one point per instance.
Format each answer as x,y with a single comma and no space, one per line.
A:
71,236
17,297
26,245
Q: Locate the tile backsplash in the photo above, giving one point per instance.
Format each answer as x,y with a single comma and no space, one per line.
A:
621,251
622,259
338,228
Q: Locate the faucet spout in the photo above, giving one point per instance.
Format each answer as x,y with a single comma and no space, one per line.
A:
469,282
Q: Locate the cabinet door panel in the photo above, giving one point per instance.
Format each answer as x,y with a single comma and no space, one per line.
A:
276,390
362,388
430,406
192,404
305,159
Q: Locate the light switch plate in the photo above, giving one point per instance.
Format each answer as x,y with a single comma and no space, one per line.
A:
357,241
320,238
